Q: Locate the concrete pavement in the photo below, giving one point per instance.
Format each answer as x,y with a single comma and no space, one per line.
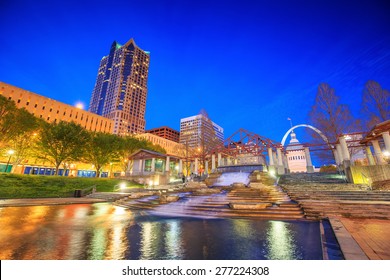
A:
48,201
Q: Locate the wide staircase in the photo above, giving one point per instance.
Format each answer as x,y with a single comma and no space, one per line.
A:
328,195
258,201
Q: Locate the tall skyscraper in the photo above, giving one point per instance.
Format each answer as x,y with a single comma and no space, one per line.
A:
199,130
121,88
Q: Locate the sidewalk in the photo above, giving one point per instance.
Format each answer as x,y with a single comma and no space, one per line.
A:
48,201
372,235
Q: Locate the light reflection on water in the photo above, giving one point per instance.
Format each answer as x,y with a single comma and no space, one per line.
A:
104,231
280,242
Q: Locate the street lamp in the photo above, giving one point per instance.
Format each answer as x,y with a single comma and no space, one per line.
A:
386,155
10,153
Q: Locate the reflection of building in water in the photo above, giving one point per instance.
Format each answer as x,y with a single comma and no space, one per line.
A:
296,155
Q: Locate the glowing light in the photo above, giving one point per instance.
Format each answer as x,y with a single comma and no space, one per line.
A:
281,243
122,185
272,172
386,154
79,105
10,152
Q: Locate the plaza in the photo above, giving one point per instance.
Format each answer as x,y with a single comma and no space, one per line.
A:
214,130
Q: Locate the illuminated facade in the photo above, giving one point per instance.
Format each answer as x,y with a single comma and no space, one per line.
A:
54,111
171,147
121,88
166,132
296,156
192,128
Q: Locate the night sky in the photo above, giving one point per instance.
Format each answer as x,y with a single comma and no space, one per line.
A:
249,64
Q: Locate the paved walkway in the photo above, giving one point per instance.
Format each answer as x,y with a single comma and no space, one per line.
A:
47,201
372,235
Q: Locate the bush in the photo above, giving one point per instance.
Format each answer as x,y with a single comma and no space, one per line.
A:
328,168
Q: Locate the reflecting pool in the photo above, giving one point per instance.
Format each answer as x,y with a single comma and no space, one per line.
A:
104,231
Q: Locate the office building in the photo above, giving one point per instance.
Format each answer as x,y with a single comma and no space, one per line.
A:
166,132
197,129
121,88
54,111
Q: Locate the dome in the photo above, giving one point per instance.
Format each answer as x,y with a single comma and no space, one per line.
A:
294,143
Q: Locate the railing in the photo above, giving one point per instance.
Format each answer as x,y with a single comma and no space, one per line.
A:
85,191
342,174
367,180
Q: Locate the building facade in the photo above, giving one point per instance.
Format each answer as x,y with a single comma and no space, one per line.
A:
171,147
166,132
121,88
54,111
296,156
195,129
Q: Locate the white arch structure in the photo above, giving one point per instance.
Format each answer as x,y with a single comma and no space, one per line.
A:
308,126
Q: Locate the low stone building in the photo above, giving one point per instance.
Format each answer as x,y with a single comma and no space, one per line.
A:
153,168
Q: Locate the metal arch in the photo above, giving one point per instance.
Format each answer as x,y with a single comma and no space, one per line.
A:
308,126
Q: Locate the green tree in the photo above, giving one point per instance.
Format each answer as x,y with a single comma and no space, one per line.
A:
375,104
7,114
60,142
24,137
153,147
103,149
129,145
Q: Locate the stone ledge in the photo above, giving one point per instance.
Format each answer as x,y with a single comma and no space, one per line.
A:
245,206
350,248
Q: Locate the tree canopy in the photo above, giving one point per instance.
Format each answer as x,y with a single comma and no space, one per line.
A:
60,142
102,149
375,104
329,115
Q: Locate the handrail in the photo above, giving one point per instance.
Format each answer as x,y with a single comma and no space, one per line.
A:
367,179
88,190
342,173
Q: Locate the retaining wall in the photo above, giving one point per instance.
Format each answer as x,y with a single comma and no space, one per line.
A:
368,174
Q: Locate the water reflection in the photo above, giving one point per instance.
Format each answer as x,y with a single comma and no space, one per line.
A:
104,231
281,242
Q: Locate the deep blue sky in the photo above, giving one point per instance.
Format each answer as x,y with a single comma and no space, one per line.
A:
249,64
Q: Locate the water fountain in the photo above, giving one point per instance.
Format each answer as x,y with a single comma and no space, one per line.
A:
230,178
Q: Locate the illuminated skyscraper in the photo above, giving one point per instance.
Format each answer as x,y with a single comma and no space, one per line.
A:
197,129
121,88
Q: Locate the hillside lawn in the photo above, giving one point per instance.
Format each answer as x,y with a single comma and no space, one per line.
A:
35,186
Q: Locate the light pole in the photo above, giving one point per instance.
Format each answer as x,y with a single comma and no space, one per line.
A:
10,153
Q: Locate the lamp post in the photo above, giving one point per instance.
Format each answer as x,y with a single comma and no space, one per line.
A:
386,156
10,153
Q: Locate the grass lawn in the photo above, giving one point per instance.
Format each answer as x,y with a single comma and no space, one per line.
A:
34,186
